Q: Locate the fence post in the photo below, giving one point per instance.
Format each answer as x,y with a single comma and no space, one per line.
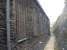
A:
8,23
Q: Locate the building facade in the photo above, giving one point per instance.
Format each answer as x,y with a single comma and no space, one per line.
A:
27,21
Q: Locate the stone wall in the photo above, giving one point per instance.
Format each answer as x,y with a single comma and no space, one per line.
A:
32,23
60,29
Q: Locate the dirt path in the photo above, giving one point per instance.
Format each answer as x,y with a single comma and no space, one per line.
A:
50,43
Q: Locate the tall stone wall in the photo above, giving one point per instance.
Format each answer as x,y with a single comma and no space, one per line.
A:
32,23
27,20
60,29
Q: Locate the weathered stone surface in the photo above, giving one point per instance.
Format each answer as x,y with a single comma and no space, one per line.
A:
60,29
27,20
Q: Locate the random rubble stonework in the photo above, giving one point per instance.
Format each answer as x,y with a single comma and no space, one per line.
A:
27,21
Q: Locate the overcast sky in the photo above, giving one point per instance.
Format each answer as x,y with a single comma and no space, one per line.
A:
53,8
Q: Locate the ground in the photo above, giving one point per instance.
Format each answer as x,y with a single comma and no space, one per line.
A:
50,44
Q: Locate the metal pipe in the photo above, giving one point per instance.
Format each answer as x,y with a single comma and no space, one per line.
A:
8,23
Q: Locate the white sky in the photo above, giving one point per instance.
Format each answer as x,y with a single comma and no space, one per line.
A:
53,8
